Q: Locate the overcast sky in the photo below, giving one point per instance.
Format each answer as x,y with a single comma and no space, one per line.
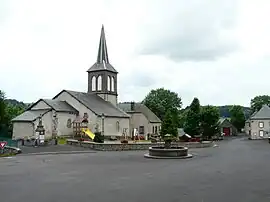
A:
216,50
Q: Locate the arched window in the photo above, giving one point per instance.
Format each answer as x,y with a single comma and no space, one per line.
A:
112,86
94,87
69,123
109,83
117,126
99,83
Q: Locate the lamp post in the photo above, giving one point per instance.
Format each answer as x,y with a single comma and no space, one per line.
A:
102,118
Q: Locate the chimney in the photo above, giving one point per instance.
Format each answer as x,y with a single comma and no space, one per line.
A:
132,106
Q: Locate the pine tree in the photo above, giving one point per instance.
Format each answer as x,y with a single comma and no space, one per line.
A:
193,118
168,125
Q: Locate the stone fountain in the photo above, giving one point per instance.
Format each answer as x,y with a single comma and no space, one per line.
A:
168,151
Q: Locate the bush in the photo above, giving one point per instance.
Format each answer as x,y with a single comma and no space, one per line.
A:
98,137
124,141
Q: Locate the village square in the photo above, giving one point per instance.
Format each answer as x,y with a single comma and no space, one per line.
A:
88,146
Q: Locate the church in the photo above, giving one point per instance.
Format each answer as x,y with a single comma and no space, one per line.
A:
98,107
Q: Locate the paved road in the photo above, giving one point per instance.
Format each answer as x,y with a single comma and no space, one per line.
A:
237,171
52,148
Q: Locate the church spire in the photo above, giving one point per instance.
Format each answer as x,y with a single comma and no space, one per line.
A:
102,50
102,62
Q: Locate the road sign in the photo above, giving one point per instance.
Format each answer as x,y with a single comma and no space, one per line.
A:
2,145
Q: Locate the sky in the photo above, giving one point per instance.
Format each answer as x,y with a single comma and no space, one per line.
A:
216,50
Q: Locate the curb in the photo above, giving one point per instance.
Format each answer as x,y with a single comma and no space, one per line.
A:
55,153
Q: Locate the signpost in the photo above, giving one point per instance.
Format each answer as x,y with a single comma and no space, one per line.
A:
2,146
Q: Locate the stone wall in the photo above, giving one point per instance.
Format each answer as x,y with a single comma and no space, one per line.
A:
132,146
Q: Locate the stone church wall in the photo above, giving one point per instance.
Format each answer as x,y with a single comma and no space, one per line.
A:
116,126
64,129
64,96
22,129
41,105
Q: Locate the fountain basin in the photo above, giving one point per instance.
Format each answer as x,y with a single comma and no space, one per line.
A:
171,153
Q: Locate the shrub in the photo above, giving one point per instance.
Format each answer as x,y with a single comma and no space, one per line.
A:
98,137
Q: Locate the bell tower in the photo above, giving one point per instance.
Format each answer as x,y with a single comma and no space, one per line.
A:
102,77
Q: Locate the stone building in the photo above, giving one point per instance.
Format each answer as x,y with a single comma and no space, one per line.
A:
142,118
98,106
258,125
226,127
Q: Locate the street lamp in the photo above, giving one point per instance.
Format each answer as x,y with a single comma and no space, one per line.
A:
102,118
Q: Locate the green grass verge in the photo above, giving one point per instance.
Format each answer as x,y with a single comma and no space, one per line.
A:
6,155
62,141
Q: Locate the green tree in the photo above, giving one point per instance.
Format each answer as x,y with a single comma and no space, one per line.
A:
182,117
161,100
3,117
12,111
237,117
193,118
209,121
258,101
168,125
7,113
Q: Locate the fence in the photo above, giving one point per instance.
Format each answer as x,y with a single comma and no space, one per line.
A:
10,142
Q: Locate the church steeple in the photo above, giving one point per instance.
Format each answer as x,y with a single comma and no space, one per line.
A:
102,57
102,50
102,77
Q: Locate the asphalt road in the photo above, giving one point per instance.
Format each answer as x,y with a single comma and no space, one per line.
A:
236,171
52,148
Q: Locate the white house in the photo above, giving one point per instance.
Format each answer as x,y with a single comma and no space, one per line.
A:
258,125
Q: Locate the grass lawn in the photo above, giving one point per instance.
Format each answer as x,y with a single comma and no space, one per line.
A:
6,155
62,141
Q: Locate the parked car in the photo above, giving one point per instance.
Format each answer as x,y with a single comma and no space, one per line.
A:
15,150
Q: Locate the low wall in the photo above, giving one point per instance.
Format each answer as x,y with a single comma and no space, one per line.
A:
132,146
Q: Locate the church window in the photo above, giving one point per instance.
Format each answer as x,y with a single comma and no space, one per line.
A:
94,88
117,126
85,116
141,130
69,123
109,83
99,83
112,86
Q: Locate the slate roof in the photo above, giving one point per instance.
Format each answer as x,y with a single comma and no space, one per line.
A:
60,106
222,119
140,108
263,113
96,104
102,58
30,115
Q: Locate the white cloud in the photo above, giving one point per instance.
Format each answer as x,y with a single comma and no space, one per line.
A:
216,50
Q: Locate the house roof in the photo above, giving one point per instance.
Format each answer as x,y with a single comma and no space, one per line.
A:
96,104
222,119
263,113
60,106
102,58
30,115
140,108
